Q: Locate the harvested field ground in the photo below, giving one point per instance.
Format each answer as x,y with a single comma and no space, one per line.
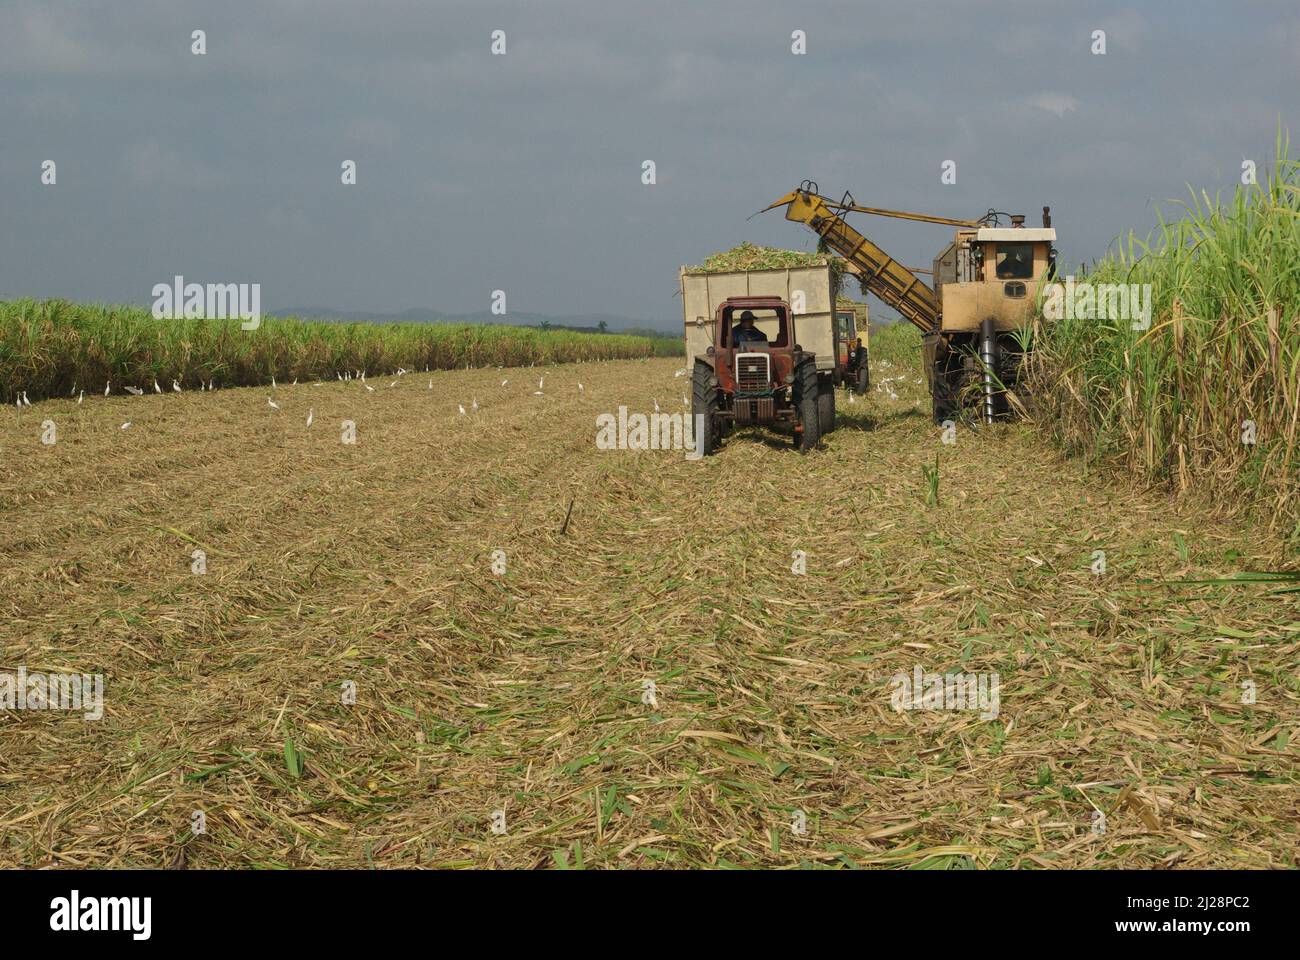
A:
522,693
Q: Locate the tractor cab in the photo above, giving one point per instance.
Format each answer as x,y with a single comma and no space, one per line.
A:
753,345
851,363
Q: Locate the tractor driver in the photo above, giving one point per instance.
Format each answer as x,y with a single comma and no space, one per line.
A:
746,332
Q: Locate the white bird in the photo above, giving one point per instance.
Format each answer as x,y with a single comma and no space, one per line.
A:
393,384
211,384
134,391
106,386
272,404
311,415
339,375
73,390
156,388
295,382
431,383
680,373
581,389
176,386
656,406
685,402
461,406
273,381
540,382
401,371
81,397
125,425
26,402
474,404
369,387
504,382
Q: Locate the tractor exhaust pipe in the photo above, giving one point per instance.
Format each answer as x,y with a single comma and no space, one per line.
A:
989,358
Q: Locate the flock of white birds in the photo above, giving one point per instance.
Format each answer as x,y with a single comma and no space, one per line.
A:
22,401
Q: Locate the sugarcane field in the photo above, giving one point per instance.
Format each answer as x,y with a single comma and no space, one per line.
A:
491,437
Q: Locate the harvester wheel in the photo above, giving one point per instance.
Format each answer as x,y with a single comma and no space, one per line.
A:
826,409
704,403
807,388
945,386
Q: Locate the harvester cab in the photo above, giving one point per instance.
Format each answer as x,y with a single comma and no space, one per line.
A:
744,379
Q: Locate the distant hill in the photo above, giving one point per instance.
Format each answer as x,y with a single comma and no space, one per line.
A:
614,323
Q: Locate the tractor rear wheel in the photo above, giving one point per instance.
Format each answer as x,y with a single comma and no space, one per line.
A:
862,378
826,409
704,406
807,388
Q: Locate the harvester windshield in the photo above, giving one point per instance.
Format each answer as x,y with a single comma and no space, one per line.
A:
1015,261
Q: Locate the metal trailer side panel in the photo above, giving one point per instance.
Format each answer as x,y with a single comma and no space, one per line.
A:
702,292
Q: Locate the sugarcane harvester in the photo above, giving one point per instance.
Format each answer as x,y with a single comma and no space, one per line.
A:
974,320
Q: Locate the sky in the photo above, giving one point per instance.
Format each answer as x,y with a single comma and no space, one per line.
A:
523,172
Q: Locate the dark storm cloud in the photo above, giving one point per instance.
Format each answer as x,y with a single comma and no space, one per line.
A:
522,172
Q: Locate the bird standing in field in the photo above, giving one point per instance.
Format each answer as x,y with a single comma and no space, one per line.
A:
311,415
134,391
106,386
474,404
176,386
461,407
156,388
272,404
81,397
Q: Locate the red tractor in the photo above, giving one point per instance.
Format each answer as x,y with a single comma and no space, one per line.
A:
755,373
